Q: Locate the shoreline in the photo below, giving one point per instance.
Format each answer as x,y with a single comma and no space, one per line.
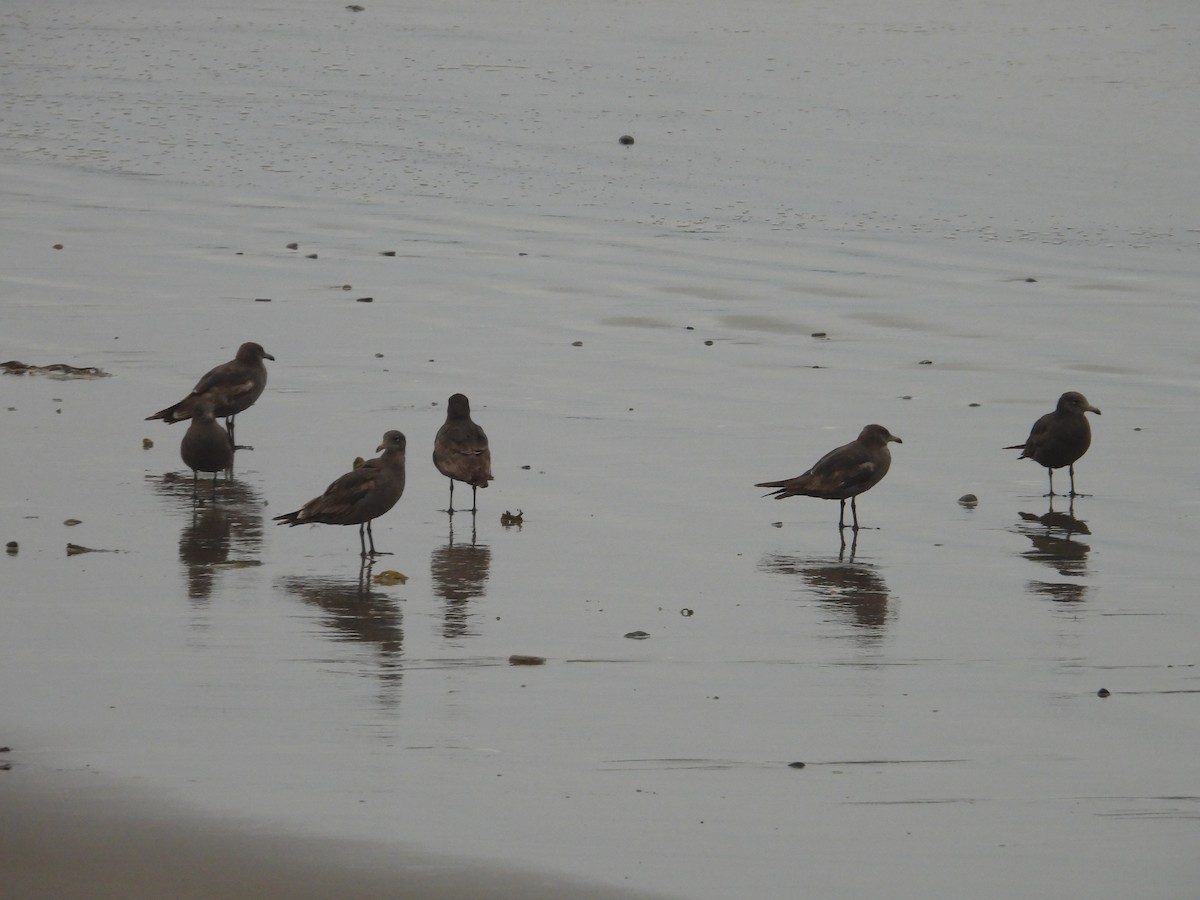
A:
82,834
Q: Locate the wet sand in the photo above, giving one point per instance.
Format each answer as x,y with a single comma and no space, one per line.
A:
932,218
79,834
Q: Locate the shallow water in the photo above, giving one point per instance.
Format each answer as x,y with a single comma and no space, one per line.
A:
893,184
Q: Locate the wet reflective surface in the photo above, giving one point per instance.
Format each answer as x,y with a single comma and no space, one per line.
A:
635,327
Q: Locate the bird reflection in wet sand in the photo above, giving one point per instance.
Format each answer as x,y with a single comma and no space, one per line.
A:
1053,537
459,572
842,583
354,611
227,535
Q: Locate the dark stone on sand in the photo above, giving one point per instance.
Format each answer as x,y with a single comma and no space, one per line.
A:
310,256
12,547
1061,437
361,495
293,246
637,635
968,500
925,362
262,299
626,140
795,765
388,253
461,451
366,299
1103,692
519,659
844,473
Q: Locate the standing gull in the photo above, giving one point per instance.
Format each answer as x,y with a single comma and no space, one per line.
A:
1061,437
843,473
460,450
206,447
362,494
231,387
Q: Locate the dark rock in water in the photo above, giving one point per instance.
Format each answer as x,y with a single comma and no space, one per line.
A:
969,500
12,547
1103,692
518,659
626,140
637,635
795,765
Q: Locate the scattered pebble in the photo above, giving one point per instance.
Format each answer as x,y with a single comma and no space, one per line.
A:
12,547
626,140
576,343
72,522
708,343
1031,281
147,443
969,500
354,7
973,405
262,299
310,256
293,246
366,299
819,334
58,246
925,362
637,635
519,659
1103,692
795,765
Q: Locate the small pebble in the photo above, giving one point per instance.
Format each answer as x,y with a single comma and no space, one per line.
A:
366,299
293,246
626,140
262,299
708,343
687,613
518,659
925,362
12,548
147,443
388,253
1103,692
72,522
310,256
58,246
819,334
576,343
637,635
795,765
969,500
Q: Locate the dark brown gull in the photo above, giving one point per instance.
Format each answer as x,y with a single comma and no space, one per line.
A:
1061,437
460,450
231,387
362,494
843,473
206,446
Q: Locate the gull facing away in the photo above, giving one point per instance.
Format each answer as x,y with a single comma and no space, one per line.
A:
206,446
362,494
231,387
1061,437
843,473
460,450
